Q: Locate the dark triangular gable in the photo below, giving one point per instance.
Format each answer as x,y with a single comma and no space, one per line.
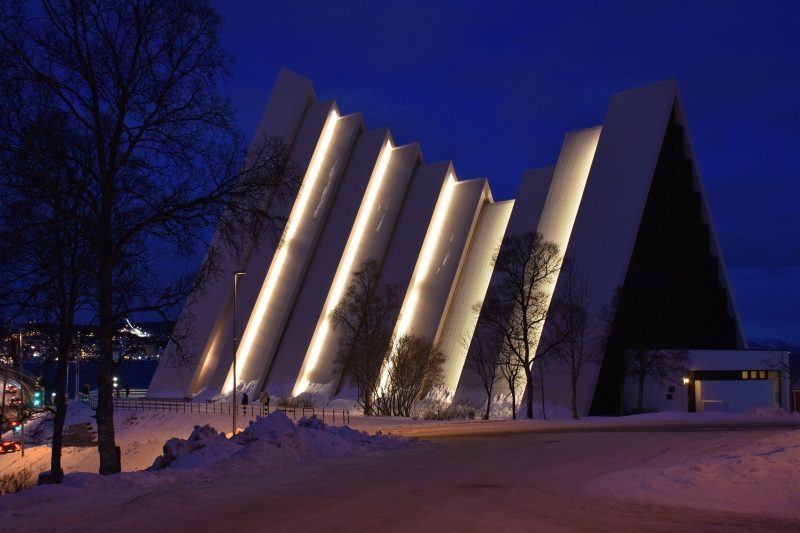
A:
673,295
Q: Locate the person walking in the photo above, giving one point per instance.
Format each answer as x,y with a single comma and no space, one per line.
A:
127,390
245,401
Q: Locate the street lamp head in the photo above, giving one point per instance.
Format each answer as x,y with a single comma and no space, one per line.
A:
239,273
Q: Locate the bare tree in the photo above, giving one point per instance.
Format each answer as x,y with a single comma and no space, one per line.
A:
572,321
517,305
413,365
541,364
513,375
44,252
163,162
658,365
783,364
483,358
364,319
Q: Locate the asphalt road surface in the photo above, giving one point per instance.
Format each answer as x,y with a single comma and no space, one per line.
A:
506,481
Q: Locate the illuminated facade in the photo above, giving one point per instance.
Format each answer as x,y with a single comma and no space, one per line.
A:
434,235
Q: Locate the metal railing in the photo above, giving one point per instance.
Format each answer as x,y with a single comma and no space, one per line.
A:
167,406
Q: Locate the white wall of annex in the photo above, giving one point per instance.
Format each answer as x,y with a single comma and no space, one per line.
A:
732,396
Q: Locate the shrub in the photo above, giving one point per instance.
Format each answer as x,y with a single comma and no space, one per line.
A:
303,400
413,365
17,481
451,412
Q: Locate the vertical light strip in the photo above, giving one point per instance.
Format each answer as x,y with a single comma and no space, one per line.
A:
427,256
431,243
343,276
296,216
344,271
564,198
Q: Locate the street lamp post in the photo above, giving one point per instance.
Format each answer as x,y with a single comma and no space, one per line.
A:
22,393
236,275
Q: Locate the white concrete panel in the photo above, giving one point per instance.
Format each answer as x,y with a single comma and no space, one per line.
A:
526,214
280,117
530,201
380,219
567,186
279,287
265,264
558,218
336,229
616,192
208,313
553,212
433,284
471,289
424,193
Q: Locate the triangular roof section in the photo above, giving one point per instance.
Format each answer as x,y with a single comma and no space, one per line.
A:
644,231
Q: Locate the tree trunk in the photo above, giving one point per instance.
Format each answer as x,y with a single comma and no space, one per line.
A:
640,399
513,403
65,336
541,376
529,393
106,445
488,403
574,396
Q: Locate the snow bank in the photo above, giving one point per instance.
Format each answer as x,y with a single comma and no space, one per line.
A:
272,440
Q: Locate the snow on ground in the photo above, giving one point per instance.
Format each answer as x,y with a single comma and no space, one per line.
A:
760,477
743,474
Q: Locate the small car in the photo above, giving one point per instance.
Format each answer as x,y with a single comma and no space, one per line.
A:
9,447
15,400
11,388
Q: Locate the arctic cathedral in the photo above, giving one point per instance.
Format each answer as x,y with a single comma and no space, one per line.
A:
625,202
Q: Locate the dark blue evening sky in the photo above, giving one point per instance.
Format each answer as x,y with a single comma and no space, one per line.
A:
494,86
